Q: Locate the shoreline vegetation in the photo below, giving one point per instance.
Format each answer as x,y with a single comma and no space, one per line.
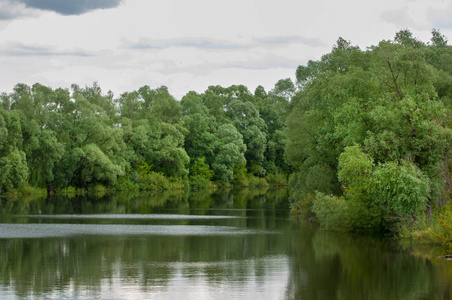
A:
362,138
370,139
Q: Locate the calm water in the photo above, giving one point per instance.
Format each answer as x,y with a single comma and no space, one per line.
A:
222,246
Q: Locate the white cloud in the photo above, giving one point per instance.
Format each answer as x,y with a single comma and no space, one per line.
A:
189,45
10,10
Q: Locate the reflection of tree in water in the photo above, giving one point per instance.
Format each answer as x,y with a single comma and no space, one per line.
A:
37,265
40,266
338,266
322,265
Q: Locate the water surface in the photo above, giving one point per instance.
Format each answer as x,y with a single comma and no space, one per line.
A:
225,245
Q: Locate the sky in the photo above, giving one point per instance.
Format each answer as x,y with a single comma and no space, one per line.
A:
188,45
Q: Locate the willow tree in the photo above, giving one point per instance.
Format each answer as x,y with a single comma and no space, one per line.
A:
383,101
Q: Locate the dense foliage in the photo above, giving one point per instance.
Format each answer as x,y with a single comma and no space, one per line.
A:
145,139
370,133
365,134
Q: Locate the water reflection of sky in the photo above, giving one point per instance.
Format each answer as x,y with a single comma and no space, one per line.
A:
199,250
131,216
267,278
66,230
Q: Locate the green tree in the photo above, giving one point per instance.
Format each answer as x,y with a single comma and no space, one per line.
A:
385,101
90,136
13,165
159,104
200,127
252,127
229,151
438,39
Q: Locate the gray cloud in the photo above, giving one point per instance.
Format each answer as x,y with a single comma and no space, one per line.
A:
264,63
10,10
290,39
440,18
203,69
202,43
19,49
215,44
399,17
70,7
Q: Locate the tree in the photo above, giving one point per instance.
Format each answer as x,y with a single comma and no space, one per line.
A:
229,151
159,145
159,104
90,137
405,38
200,127
438,39
246,119
384,103
13,164
284,88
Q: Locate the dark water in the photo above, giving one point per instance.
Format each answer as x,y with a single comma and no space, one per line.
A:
225,245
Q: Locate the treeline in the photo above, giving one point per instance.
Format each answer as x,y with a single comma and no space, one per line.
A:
365,134
81,138
370,136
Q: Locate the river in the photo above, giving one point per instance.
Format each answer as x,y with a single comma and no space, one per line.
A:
222,245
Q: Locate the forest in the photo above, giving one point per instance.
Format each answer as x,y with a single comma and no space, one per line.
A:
145,139
361,137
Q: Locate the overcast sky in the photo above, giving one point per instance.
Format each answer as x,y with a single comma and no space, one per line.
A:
191,44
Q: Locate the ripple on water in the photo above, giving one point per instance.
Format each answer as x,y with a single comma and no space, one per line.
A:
62,230
132,216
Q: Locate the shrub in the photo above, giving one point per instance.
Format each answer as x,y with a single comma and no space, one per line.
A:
177,183
257,182
126,184
28,190
154,181
277,179
331,212
198,182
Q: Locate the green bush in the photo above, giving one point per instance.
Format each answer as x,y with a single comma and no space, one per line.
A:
301,204
28,190
277,179
198,182
199,167
257,182
382,194
126,184
177,183
154,181
331,212
339,214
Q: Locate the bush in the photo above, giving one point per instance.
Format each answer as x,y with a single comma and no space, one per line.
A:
126,184
443,234
154,181
338,214
277,179
382,194
28,190
177,183
257,182
331,212
198,182
301,204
